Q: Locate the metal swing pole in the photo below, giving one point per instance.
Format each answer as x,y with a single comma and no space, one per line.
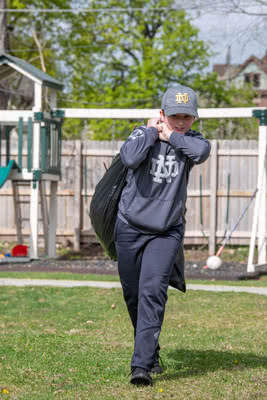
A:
259,217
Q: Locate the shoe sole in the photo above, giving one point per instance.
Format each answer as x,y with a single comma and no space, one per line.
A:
141,380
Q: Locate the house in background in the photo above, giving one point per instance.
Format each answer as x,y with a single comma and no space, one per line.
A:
253,70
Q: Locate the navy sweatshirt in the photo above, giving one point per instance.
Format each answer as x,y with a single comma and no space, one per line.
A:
154,197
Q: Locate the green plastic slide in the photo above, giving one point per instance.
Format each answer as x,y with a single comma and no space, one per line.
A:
5,171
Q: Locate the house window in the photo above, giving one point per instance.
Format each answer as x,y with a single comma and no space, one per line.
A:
256,80
247,78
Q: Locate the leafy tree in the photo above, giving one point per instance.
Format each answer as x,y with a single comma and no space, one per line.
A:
219,94
134,56
34,38
127,59
116,59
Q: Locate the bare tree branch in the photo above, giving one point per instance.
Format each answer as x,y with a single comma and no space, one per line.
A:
42,60
257,8
40,49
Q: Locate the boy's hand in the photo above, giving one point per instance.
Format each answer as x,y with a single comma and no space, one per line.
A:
153,122
164,132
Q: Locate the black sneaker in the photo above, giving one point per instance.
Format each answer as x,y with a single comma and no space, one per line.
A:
156,369
140,376
158,366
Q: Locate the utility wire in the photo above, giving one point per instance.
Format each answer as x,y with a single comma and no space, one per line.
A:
86,10
60,47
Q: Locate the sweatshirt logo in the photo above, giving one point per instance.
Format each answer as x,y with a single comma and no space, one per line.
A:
136,133
164,168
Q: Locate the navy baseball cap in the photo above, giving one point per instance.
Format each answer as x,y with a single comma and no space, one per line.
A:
179,100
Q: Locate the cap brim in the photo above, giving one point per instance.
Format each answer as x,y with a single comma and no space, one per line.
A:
180,110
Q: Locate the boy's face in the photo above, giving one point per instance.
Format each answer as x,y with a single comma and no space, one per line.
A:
180,123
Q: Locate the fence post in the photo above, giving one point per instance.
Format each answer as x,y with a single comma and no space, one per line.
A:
259,217
77,194
213,197
52,226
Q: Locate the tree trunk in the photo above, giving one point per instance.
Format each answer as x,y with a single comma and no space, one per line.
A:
3,48
3,27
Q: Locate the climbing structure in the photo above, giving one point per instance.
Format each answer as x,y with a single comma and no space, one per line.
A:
41,130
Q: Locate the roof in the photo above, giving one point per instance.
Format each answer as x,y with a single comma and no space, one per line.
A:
261,63
236,69
220,68
223,69
9,64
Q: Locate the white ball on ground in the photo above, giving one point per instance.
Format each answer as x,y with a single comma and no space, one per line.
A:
214,262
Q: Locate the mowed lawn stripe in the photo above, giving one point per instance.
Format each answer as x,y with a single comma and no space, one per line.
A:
77,344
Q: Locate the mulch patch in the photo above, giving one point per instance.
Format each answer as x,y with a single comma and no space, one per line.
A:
91,260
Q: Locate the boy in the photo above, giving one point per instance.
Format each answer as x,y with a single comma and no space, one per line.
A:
150,226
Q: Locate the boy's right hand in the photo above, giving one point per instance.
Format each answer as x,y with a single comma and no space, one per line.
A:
164,132
155,123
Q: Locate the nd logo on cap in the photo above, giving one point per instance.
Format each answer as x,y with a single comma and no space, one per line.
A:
182,98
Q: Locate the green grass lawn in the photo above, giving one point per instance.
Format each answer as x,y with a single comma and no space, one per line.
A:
262,282
77,343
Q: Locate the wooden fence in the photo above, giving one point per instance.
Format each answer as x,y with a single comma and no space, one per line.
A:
220,187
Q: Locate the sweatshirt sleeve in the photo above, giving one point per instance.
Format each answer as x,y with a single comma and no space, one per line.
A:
192,144
135,148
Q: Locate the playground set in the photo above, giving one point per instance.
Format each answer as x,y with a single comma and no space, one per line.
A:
41,166
42,132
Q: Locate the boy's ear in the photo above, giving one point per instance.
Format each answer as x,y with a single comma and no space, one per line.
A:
162,115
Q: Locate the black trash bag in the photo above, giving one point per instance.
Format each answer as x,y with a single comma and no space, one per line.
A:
177,279
103,213
104,205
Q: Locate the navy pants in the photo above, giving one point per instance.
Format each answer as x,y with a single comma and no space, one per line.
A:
145,264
